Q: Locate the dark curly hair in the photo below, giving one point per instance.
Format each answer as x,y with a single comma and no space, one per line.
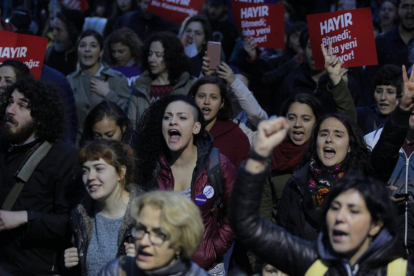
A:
114,153
106,109
225,113
373,192
19,68
389,74
151,142
127,37
175,59
359,149
46,107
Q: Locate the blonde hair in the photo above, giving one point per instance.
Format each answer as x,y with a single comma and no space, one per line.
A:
180,219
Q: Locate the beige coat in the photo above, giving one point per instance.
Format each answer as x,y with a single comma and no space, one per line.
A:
86,100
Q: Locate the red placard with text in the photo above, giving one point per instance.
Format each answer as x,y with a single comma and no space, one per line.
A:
264,22
351,33
26,48
175,10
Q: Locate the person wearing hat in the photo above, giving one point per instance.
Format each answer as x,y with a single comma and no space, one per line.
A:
62,54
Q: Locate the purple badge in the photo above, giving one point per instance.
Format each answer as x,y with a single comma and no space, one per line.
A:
200,199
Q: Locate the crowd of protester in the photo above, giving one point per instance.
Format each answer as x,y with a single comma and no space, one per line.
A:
132,156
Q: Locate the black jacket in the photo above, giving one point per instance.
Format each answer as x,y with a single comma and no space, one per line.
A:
51,192
291,213
81,220
290,254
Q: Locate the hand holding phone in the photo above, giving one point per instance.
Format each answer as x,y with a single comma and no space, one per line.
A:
214,53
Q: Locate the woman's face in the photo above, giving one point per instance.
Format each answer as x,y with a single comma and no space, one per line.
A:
386,98
179,126
120,53
332,144
156,61
349,224
101,180
107,129
294,42
150,256
7,77
301,120
89,51
194,33
124,5
388,13
208,99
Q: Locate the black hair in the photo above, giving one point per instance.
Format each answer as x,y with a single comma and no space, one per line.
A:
303,98
175,59
20,69
151,142
106,109
206,28
225,113
46,107
95,34
374,193
359,153
389,74
304,38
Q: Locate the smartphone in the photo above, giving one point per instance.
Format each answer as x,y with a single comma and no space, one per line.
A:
401,195
214,53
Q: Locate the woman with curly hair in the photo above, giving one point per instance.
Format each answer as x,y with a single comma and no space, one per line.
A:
174,154
95,82
336,150
123,48
165,67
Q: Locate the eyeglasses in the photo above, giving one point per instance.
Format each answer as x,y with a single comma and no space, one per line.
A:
155,238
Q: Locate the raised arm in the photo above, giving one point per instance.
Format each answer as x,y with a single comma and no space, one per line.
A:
269,242
339,89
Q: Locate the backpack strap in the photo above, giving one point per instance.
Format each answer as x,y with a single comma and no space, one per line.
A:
215,177
24,174
318,268
398,267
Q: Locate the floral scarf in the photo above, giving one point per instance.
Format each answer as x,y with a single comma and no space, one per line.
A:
322,178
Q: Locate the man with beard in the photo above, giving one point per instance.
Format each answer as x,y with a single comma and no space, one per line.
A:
62,55
35,206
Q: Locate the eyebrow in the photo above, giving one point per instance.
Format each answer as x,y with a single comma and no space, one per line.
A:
336,131
179,113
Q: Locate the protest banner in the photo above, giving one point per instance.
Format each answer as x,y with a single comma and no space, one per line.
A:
351,33
262,21
175,10
26,48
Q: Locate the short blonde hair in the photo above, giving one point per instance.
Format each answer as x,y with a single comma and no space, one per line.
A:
180,219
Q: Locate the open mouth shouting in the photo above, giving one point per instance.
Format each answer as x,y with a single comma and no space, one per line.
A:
329,153
206,111
174,135
338,235
143,256
298,135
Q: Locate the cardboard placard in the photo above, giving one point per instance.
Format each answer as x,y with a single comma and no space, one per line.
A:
264,22
351,33
26,48
175,10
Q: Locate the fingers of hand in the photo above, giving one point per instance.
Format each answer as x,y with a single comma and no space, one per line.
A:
404,74
269,127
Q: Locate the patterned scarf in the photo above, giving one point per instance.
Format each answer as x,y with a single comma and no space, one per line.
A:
322,179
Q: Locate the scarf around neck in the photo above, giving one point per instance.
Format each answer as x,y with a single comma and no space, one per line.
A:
287,157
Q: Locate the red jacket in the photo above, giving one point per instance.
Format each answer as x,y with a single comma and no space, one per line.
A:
216,239
231,141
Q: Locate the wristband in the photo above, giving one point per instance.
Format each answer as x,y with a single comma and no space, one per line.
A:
255,156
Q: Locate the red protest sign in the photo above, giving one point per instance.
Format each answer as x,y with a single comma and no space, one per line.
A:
351,33
264,22
26,48
175,10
